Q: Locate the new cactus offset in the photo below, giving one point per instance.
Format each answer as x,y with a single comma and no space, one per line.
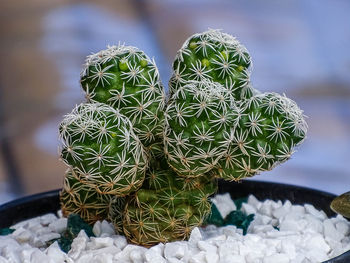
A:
268,128
125,78
100,143
216,56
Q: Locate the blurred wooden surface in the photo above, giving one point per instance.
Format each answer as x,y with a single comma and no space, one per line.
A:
298,47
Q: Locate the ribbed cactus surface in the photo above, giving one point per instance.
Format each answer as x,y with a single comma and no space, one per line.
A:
79,197
167,207
125,78
197,127
100,143
216,56
268,128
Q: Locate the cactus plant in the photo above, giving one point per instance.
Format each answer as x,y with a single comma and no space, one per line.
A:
216,56
269,127
150,168
198,120
167,207
78,197
100,143
125,78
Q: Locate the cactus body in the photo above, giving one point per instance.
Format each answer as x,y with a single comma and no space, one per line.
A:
78,197
215,56
125,78
197,127
101,144
269,127
167,207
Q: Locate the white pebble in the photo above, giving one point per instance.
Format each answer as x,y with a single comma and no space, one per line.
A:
195,236
313,211
107,228
39,257
56,254
151,256
119,241
47,219
100,242
198,258
224,204
277,258
58,225
330,230
96,229
175,250
78,245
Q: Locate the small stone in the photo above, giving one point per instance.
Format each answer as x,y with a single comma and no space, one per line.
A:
119,241
39,257
330,230
316,242
22,235
195,236
136,256
176,250
58,225
204,246
96,229
107,228
224,204
277,258
56,254
78,245
343,227
47,219
100,242
151,256
102,258
254,202
313,211
198,258
211,258
248,209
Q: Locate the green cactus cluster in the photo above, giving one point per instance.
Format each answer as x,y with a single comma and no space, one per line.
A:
148,164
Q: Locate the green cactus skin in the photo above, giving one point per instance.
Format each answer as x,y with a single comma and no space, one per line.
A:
198,120
100,143
167,207
214,56
341,204
78,197
116,211
269,127
125,78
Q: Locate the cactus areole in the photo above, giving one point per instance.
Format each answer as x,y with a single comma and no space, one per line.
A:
149,164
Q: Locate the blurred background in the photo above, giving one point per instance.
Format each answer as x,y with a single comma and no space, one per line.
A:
300,48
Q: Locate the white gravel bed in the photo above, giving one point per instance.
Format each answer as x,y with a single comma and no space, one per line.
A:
305,235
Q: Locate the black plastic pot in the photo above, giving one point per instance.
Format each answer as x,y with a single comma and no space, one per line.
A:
48,202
